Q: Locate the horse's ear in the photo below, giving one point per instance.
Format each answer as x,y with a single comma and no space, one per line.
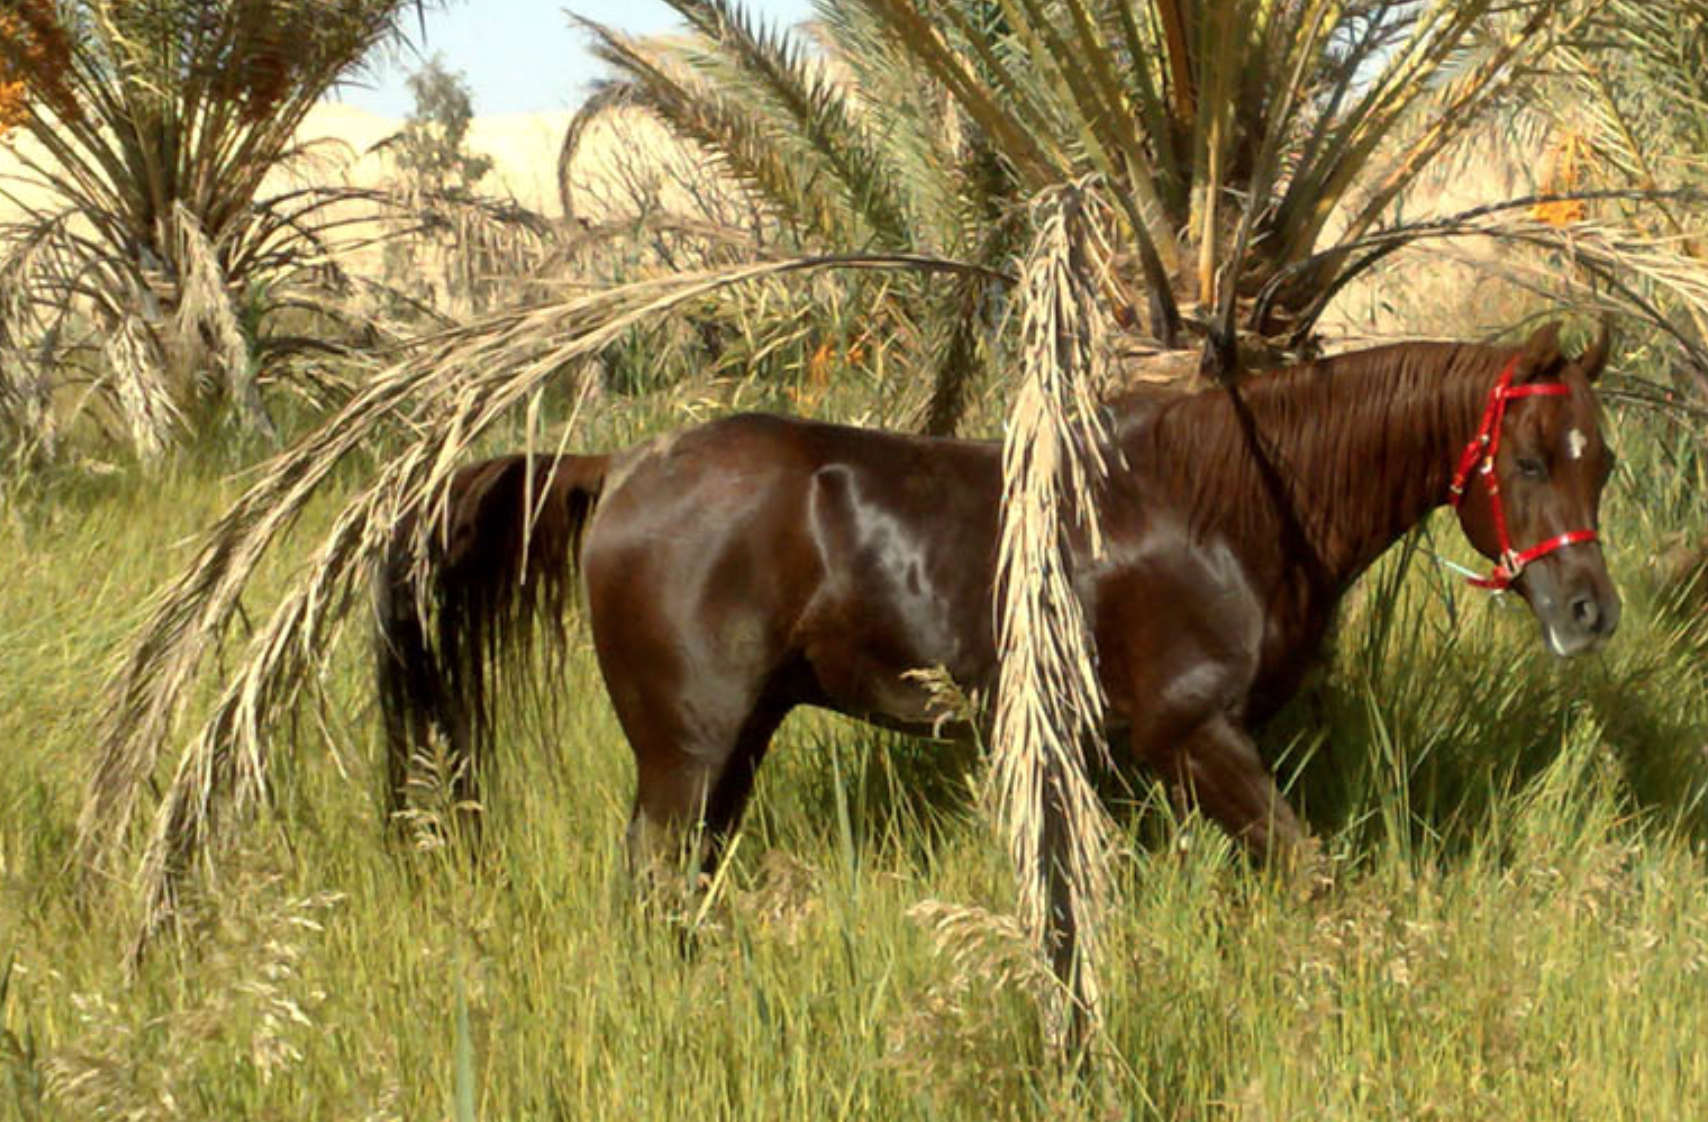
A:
1540,353
1591,362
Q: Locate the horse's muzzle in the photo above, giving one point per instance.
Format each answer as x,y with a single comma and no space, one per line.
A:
1578,613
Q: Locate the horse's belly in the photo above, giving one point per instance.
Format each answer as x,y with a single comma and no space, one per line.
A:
873,659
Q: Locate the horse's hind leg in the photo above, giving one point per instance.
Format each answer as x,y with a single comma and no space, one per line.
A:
691,787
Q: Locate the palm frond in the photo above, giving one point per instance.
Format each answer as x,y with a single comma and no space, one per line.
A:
611,97
1638,274
454,388
779,68
727,129
204,312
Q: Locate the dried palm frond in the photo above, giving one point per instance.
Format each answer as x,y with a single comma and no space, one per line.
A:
479,246
147,403
609,100
636,195
1617,268
1049,710
450,391
205,312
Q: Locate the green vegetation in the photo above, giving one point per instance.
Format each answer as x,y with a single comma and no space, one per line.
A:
1514,927
1507,921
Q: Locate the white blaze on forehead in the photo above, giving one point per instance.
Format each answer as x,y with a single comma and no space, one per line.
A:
1575,443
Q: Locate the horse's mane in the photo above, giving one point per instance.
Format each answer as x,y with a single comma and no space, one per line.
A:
1356,422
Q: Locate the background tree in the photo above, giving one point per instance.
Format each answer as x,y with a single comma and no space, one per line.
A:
475,245
433,146
1256,150
146,130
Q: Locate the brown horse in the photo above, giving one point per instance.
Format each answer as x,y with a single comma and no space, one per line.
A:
743,567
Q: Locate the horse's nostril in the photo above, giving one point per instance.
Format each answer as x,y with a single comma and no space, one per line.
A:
1586,613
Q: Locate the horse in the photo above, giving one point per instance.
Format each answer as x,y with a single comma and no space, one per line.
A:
741,568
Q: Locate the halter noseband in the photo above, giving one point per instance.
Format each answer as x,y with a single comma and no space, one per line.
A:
1483,447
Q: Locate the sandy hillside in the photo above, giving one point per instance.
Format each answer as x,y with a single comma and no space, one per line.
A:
523,148
627,157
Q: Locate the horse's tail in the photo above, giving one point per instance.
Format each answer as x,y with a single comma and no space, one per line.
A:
451,626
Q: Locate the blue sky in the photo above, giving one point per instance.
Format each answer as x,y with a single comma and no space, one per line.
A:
522,56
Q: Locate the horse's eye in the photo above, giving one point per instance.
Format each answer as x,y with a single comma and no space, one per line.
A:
1532,468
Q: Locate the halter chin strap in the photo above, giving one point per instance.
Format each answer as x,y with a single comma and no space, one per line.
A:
1480,453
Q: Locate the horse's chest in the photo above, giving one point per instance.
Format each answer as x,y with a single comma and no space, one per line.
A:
1292,648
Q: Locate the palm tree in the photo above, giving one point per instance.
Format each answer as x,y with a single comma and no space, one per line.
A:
794,129
1255,150
145,259
1631,111
1628,110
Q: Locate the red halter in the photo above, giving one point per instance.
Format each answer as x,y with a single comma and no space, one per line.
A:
1483,447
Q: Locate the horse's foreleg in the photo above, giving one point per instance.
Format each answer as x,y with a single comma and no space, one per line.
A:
1217,767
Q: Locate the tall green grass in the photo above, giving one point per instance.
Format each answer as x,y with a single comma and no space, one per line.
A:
1513,926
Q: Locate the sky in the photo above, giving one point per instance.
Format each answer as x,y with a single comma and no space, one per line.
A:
521,56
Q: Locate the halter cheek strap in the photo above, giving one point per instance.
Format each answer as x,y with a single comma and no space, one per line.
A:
1480,454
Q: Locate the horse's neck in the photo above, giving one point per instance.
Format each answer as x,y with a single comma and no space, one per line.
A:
1335,468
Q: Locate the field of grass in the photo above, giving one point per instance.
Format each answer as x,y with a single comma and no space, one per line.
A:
1514,926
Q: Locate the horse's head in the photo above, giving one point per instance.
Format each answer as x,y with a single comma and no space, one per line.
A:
1549,466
